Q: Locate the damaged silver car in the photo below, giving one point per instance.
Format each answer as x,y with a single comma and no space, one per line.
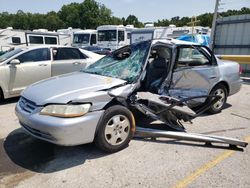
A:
168,80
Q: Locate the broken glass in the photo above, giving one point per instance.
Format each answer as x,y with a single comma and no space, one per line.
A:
125,63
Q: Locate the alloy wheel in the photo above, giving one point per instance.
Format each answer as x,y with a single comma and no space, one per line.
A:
117,130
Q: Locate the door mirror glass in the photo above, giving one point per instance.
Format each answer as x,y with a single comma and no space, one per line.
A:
14,62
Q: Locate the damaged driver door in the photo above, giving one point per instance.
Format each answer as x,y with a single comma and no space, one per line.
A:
194,74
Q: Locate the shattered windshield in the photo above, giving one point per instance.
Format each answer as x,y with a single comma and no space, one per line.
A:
125,63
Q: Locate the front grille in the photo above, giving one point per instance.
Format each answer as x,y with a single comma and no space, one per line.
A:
27,105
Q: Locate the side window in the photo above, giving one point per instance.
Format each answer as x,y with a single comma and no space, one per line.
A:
35,55
189,57
36,40
68,53
93,39
121,36
16,40
50,40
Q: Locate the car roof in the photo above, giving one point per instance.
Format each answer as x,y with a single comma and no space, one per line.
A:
45,46
173,41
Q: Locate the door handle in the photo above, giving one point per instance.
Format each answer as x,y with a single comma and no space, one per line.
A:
43,65
76,63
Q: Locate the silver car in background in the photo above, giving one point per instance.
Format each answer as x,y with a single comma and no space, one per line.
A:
22,67
96,104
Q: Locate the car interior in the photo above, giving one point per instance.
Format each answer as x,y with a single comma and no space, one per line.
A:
157,68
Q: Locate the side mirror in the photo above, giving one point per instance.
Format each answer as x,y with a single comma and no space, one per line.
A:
14,62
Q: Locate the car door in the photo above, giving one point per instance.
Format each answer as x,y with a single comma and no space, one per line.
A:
195,72
66,60
34,66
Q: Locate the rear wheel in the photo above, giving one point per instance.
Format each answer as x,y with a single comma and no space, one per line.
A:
221,91
115,129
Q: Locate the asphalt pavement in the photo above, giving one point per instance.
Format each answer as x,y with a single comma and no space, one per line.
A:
28,162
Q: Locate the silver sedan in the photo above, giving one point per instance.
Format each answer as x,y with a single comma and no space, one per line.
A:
96,104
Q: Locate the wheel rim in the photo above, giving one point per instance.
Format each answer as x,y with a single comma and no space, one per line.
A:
220,92
117,130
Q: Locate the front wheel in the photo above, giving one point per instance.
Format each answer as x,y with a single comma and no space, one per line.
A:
221,91
115,129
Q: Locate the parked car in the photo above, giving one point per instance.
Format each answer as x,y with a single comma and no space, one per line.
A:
98,50
96,104
22,67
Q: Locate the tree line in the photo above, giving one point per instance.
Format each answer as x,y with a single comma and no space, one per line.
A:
89,14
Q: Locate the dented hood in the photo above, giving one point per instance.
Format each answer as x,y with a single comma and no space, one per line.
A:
65,88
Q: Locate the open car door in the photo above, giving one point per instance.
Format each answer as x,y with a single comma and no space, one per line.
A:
194,74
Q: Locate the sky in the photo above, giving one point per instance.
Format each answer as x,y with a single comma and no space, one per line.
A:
145,10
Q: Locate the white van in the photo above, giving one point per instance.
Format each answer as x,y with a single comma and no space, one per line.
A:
149,33
113,36
84,38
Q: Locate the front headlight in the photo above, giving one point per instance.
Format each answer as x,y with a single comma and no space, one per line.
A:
66,111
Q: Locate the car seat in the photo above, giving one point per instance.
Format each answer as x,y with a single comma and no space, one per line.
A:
155,73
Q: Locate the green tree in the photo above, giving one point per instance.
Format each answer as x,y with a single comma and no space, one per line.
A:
133,20
70,15
90,14
53,22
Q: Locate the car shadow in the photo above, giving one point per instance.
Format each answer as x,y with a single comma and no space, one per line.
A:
43,157
9,101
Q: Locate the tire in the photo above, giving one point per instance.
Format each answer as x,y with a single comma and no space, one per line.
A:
115,129
221,90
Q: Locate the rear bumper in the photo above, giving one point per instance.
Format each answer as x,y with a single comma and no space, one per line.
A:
60,131
235,87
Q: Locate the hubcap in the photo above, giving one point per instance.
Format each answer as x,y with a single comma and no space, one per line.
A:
219,104
117,130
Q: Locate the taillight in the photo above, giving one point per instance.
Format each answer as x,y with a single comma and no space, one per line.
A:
240,69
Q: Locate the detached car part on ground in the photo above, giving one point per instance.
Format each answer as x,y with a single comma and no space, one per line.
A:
168,80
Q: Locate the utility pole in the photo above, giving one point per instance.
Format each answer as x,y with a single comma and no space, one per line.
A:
214,24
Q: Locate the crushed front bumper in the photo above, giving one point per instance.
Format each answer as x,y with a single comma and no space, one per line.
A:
60,131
